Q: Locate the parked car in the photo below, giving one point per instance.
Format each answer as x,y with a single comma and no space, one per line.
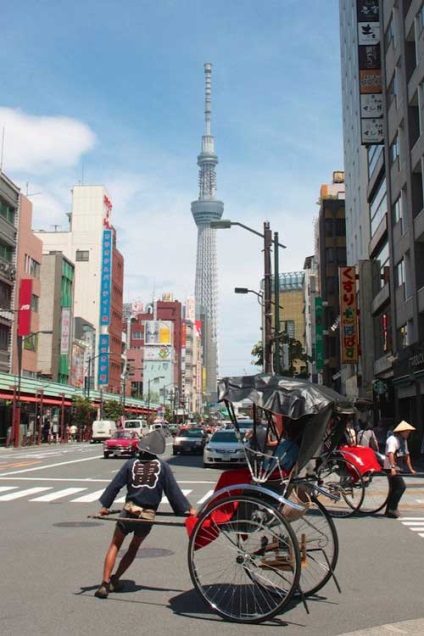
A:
223,448
189,440
121,443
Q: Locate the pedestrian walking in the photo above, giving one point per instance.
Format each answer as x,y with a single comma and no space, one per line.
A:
146,479
397,449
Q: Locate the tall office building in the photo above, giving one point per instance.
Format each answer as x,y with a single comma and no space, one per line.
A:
206,209
394,195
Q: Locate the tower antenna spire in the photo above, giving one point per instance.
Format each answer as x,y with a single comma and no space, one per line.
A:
208,96
207,208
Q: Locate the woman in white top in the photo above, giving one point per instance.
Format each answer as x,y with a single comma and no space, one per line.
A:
397,447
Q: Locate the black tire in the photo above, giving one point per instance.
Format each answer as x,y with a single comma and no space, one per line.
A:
106,455
340,477
258,554
376,492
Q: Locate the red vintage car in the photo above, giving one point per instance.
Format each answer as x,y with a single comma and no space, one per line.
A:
121,443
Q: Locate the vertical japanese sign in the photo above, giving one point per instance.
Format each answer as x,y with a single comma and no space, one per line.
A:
105,277
24,311
65,331
348,315
370,73
319,345
103,369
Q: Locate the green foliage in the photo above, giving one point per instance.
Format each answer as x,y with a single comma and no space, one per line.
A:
295,353
258,353
82,410
112,410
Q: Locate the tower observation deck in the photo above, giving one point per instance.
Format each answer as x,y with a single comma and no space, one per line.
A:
206,209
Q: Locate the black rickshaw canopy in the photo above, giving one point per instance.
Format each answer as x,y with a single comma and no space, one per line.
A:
309,406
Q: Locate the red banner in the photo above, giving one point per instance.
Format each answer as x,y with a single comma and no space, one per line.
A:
348,316
24,312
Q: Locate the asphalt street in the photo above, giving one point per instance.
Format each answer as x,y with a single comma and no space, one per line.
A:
52,554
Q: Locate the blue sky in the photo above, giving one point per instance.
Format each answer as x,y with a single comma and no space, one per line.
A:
112,92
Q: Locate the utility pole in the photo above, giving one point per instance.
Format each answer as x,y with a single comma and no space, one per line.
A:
267,299
277,357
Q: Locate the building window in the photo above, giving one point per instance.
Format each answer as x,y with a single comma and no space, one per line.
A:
137,335
6,252
402,336
7,212
82,255
389,36
393,89
397,213
34,303
32,267
290,328
378,207
394,150
4,338
400,273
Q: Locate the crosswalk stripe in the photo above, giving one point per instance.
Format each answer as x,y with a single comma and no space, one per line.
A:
92,496
5,488
412,523
419,529
58,494
22,493
203,499
164,500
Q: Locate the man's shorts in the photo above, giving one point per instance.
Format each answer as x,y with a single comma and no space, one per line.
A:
140,529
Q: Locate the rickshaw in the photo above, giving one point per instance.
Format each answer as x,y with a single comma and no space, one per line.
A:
264,535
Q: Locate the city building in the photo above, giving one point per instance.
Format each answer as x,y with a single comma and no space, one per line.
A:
56,317
9,215
205,210
91,244
330,256
394,194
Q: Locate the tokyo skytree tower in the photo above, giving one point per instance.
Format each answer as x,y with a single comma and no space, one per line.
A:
206,209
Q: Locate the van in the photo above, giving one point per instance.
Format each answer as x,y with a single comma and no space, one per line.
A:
138,426
160,425
102,429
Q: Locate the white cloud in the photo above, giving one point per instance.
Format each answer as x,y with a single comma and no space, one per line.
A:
34,144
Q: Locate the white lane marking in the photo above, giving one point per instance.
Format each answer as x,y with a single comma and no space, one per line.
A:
4,488
92,496
411,519
28,470
203,499
22,493
58,494
84,480
419,529
412,523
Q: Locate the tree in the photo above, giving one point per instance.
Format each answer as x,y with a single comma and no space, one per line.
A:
290,352
83,412
112,410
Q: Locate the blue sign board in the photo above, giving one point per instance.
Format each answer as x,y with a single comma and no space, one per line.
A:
106,277
103,370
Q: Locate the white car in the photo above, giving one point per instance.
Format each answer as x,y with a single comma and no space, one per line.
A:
223,448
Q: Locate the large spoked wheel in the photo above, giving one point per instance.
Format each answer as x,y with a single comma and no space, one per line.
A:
376,492
341,478
319,547
244,559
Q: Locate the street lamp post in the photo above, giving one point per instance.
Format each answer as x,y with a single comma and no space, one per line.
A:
267,238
